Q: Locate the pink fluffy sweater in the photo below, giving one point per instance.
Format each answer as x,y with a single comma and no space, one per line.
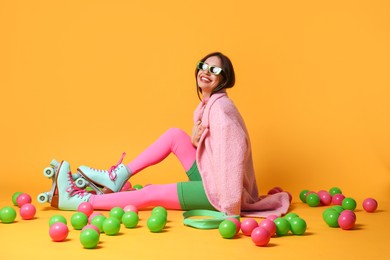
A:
224,159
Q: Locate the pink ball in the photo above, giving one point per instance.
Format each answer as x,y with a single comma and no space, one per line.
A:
337,199
58,231
272,217
325,197
350,212
370,205
91,226
346,221
131,208
23,199
27,211
85,208
268,225
260,236
94,214
248,225
127,186
237,222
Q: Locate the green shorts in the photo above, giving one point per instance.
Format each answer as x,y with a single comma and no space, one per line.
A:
191,193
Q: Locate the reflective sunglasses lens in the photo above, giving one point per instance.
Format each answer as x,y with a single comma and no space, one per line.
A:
215,70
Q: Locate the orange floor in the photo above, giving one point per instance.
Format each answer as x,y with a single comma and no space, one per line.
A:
24,239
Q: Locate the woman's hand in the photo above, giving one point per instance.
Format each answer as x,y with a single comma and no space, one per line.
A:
197,132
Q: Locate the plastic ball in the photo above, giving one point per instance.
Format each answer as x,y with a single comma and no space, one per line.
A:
15,196
86,208
111,226
337,199
27,211
156,223
330,216
325,197
248,225
269,225
7,214
335,190
302,195
227,229
160,210
313,200
57,218
130,219
237,222
117,212
98,222
291,215
131,208
370,205
89,238
349,203
350,212
338,208
346,221
94,214
282,226
137,186
91,226
79,220
260,236
272,217
298,226
23,199
58,231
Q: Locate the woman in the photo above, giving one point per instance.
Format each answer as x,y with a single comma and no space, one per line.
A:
217,159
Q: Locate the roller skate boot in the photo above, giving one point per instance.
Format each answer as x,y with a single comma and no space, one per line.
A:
105,181
67,195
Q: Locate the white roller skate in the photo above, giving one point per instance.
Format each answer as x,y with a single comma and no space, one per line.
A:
67,196
105,181
50,172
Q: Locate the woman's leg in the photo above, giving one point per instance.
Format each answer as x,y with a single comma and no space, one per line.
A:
174,141
164,195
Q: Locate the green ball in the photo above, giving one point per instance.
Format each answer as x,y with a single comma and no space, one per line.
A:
111,226
290,216
89,238
338,208
97,221
335,190
160,210
117,212
137,186
130,219
349,203
313,200
7,214
227,229
57,218
298,226
156,223
15,196
302,195
79,220
331,217
282,226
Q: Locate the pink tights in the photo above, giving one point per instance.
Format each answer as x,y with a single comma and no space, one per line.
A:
174,141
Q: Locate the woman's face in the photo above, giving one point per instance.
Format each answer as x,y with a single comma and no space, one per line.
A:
207,81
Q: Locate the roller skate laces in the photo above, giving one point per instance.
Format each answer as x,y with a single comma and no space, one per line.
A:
111,172
73,190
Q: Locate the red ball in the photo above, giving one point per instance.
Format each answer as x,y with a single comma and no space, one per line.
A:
260,236
325,197
337,199
237,222
370,205
27,211
346,221
23,199
86,208
268,225
58,231
248,225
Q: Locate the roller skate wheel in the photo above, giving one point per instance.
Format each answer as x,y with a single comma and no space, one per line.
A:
48,172
81,183
43,198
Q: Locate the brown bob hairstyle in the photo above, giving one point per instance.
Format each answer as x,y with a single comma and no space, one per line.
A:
228,77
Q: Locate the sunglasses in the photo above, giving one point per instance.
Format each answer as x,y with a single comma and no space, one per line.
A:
212,69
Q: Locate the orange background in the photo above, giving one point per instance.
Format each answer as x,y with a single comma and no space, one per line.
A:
85,81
